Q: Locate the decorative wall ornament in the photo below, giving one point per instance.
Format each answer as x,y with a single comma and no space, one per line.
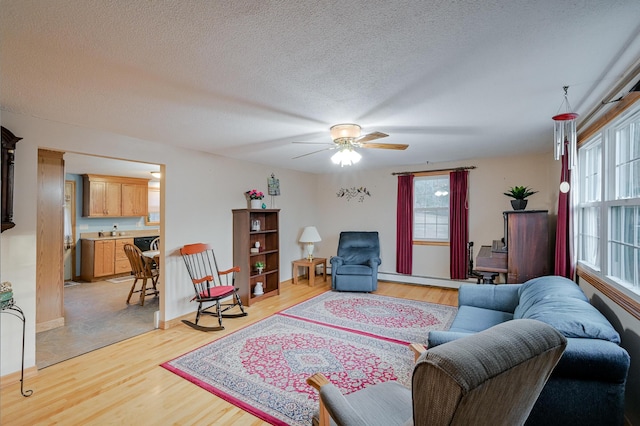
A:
353,192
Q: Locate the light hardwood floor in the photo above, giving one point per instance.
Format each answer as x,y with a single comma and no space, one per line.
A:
124,384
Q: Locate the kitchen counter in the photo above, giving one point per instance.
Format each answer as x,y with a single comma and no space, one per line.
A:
93,236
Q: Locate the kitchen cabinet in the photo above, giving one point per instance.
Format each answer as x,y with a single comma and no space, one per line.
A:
113,196
122,264
103,258
251,226
134,199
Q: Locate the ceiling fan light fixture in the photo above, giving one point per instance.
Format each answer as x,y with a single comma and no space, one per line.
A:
345,131
346,157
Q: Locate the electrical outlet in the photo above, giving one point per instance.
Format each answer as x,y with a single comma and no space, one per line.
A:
84,227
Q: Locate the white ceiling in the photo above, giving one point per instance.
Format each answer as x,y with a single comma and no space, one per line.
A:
453,79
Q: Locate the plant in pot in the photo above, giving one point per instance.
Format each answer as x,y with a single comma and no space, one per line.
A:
259,266
519,195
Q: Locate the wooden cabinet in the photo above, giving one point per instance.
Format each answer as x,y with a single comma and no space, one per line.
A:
105,199
244,239
103,258
122,264
134,199
527,241
114,196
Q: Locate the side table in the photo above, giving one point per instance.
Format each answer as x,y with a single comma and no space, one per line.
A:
311,267
9,307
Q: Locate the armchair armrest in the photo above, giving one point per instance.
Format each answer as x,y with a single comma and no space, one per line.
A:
336,261
333,404
226,273
374,262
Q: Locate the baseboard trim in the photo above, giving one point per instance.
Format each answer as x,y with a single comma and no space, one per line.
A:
421,280
13,378
50,325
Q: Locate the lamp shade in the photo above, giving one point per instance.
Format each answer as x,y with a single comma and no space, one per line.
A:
339,131
310,235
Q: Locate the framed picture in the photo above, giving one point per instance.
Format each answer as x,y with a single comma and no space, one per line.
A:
274,185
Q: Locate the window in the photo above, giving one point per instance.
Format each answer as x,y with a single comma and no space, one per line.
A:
431,208
608,210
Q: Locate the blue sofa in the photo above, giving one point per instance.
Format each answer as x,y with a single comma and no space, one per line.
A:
587,386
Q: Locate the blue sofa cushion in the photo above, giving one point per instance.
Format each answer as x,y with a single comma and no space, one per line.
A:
473,319
561,303
538,289
573,318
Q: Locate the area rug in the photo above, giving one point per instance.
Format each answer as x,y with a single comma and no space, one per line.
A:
263,367
402,320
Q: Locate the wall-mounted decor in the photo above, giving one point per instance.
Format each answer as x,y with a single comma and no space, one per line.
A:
9,141
274,185
353,192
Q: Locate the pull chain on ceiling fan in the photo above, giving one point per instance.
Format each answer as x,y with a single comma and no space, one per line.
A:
346,137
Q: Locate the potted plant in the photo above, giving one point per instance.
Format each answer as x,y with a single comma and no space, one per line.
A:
519,195
259,266
255,198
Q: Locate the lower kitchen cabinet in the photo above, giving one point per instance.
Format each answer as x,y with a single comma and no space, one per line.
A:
103,258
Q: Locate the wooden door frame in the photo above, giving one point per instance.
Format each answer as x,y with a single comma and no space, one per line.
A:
74,241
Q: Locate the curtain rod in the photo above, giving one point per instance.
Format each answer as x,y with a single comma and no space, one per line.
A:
455,169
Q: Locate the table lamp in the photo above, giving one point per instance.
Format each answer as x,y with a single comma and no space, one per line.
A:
309,236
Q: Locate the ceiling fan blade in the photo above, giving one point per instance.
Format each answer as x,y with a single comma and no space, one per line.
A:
314,152
371,137
397,146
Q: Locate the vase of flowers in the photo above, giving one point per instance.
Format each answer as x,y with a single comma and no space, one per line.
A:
255,198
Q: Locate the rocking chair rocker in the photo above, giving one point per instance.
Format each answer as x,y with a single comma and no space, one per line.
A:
207,282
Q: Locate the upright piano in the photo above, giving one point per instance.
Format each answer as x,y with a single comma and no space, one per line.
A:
524,253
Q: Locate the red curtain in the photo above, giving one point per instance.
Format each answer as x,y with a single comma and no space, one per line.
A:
404,225
458,224
563,259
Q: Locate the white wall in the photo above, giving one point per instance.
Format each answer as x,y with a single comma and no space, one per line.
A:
629,328
487,182
199,192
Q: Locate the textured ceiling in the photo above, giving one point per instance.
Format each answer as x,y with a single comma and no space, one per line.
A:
453,79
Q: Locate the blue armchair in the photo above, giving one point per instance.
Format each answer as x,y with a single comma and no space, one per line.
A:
355,268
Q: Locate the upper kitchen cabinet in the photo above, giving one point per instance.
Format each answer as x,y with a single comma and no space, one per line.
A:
134,199
113,196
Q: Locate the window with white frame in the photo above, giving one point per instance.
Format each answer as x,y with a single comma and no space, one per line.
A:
431,208
608,209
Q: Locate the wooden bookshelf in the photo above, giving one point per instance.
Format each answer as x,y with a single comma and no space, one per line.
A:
244,239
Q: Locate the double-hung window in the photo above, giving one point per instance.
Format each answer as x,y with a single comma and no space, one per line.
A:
608,209
431,209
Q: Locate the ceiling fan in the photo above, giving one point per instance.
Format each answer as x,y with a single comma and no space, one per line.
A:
346,137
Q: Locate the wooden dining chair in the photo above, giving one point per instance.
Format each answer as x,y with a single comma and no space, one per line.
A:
142,269
155,245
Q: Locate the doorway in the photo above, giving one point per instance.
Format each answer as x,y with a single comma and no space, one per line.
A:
95,313
69,232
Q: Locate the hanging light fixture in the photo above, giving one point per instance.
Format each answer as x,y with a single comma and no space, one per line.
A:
565,131
346,156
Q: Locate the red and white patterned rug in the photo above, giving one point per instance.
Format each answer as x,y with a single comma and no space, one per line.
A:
387,317
263,367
